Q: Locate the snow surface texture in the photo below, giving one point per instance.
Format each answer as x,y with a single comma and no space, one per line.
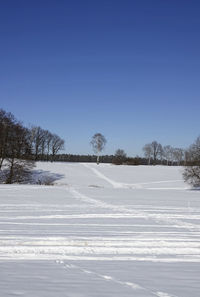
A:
100,231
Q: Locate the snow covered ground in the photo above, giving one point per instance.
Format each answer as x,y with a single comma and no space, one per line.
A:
100,231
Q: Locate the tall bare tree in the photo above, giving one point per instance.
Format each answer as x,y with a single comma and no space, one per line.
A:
18,152
37,135
49,138
148,152
56,145
156,147
7,122
98,143
168,153
194,152
178,155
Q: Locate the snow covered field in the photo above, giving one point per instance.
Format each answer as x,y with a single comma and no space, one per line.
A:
100,231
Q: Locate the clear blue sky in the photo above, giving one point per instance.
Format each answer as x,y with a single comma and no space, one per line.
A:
127,69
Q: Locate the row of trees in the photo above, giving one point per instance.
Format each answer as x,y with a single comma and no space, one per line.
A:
158,154
83,158
45,145
114,159
190,158
154,153
20,147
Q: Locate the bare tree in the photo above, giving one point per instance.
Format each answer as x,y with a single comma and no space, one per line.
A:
98,143
49,138
120,157
7,122
18,151
156,147
161,153
148,152
56,145
37,136
191,172
178,155
152,150
193,153
168,153
43,150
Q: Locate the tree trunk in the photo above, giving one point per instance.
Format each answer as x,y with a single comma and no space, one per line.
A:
97,159
10,176
1,162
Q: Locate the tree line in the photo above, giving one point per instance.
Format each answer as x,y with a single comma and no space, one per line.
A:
113,159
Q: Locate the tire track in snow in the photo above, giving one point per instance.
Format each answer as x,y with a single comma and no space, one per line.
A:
118,185
102,176
134,286
139,215
155,217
